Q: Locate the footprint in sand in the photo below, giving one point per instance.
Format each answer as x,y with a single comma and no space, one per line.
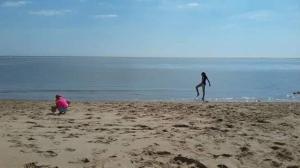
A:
279,143
270,163
181,125
223,155
293,166
48,153
30,122
30,139
222,166
262,121
163,153
75,162
85,160
34,165
229,126
284,154
70,149
129,118
104,140
143,127
16,143
30,165
245,151
79,161
286,125
180,159
219,120
72,135
275,147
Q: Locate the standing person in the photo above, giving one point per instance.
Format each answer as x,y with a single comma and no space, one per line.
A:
62,104
202,84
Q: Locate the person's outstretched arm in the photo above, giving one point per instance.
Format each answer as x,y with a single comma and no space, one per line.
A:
208,81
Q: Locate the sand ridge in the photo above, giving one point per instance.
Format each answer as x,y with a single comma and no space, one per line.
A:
150,134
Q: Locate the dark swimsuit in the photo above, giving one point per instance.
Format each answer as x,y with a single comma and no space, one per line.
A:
204,78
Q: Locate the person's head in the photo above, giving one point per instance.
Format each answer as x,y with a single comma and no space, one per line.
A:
203,74
57,97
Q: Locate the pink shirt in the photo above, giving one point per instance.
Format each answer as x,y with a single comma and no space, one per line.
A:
62,103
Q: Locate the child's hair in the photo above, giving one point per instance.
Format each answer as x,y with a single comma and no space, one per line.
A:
57,96
203,74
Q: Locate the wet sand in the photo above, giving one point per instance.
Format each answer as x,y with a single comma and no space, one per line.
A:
150,134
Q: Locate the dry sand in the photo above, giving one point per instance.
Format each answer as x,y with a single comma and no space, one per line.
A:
150,134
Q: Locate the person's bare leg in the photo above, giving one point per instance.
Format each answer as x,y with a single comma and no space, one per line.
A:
203,92
197,89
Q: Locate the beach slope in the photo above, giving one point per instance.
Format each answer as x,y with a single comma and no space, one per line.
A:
150,134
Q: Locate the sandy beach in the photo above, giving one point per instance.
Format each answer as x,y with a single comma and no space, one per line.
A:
150,134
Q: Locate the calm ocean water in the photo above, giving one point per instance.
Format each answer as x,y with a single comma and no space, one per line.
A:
104,78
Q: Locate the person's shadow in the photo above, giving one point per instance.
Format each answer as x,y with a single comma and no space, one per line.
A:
52,113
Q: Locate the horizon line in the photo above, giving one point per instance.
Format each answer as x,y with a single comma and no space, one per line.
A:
143,56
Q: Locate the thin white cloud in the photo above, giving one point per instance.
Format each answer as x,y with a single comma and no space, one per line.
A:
105,16
14,3
189,5
262,15
144,0
50,12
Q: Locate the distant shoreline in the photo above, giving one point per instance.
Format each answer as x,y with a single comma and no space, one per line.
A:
158,57
155,101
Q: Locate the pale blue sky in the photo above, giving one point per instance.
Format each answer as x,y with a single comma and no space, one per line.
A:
150,28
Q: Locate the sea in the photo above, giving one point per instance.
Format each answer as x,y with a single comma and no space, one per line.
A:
88,78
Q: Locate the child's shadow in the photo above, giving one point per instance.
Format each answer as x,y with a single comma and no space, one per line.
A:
53,114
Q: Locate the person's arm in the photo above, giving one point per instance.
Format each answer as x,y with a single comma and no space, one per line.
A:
208,81
56,104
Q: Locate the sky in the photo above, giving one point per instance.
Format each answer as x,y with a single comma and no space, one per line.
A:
150,28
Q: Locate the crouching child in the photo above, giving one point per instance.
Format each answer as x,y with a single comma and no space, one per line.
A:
62,104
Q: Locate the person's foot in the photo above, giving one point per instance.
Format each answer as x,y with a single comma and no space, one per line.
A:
202,99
